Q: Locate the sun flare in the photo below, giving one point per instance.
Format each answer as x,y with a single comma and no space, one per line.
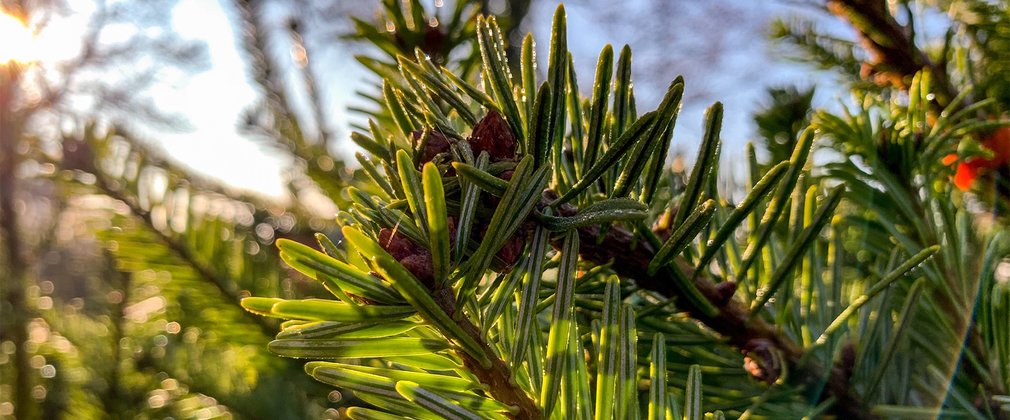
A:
15,40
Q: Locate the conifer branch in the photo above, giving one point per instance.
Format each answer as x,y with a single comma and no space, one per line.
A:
223,285
894,56
498,376
412,225
629,258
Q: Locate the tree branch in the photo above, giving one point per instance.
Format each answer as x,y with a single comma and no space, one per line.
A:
630,259
498,377
222,284
894,57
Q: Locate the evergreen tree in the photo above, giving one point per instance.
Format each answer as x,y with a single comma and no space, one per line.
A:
508,248
528,254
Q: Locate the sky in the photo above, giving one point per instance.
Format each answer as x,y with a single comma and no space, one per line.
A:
212,102
731,61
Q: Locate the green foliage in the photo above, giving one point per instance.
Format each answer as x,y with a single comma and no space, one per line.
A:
442,36
824,51
894,149
611,310
903,206
509,249
781,120
985,26
185,251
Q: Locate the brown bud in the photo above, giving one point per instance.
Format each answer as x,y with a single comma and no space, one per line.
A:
437,143
420,265
725,292
414,258
513,248
493,135
761,360
507,174
395,244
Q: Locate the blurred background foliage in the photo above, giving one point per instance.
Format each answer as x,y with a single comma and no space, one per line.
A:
122,269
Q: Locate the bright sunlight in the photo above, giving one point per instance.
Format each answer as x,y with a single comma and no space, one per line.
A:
15,40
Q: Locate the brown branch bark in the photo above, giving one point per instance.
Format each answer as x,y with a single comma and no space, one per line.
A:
14,274
498,377
894,57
